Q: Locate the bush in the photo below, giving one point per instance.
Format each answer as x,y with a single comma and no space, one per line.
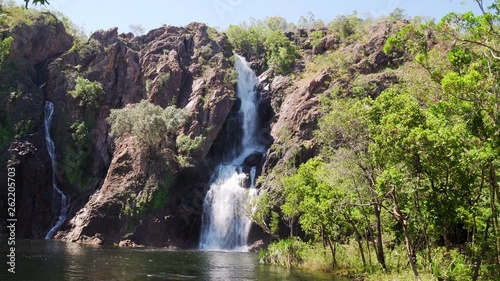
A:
163,79
345,26
5,48
89,93
246,39
286,252
76,157
149,123
185,144
316,37
231,77
281,52
23,128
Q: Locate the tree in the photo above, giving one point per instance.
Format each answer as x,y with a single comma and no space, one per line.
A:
469,107
309,195
149,123
137,29
281,52
344,137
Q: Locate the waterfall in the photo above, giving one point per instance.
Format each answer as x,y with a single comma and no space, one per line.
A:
64,203
225,221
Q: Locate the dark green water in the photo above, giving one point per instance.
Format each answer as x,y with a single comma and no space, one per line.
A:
51,260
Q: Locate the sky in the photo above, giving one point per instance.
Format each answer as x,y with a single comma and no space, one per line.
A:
104,14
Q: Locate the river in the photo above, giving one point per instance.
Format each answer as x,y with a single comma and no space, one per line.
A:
54,260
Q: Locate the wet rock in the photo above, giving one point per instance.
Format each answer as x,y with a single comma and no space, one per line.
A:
254,159
129,244
256,246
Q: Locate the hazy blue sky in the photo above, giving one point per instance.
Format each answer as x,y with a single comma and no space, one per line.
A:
104,14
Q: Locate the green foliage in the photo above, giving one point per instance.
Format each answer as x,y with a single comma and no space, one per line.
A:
206,51
84,48
149,200
77,155
163,79
213,34
281,52
152,125
160,198
423,155
13,15
285,252
450,265
5,48
345,26
398,15
149,84
231,77
265,37
316,36
23,128
185,144
186,148
137,29
246,39
89,93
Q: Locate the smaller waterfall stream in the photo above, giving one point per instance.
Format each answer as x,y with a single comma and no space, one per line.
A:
225,221
64,201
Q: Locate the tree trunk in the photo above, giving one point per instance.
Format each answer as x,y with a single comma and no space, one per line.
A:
379,246
409,247
368,250
333,250
360,243
403,221
484,248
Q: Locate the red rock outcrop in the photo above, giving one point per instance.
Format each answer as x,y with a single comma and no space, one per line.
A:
188,67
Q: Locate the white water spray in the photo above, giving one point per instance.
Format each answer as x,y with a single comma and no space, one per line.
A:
64,203
225,221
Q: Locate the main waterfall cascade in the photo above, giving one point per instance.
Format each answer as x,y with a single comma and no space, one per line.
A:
64,203
225,221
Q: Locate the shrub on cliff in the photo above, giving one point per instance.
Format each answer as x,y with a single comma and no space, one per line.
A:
149,123
89,93
281,52
77,155
267,38
5,48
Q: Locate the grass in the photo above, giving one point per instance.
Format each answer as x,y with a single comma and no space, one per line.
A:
447,264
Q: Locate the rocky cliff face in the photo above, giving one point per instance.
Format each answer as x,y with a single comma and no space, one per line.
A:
186,67
121,193
22,106
294,100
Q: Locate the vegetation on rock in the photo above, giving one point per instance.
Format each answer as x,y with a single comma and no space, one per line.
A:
392,167
89,93
150,124
412,170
